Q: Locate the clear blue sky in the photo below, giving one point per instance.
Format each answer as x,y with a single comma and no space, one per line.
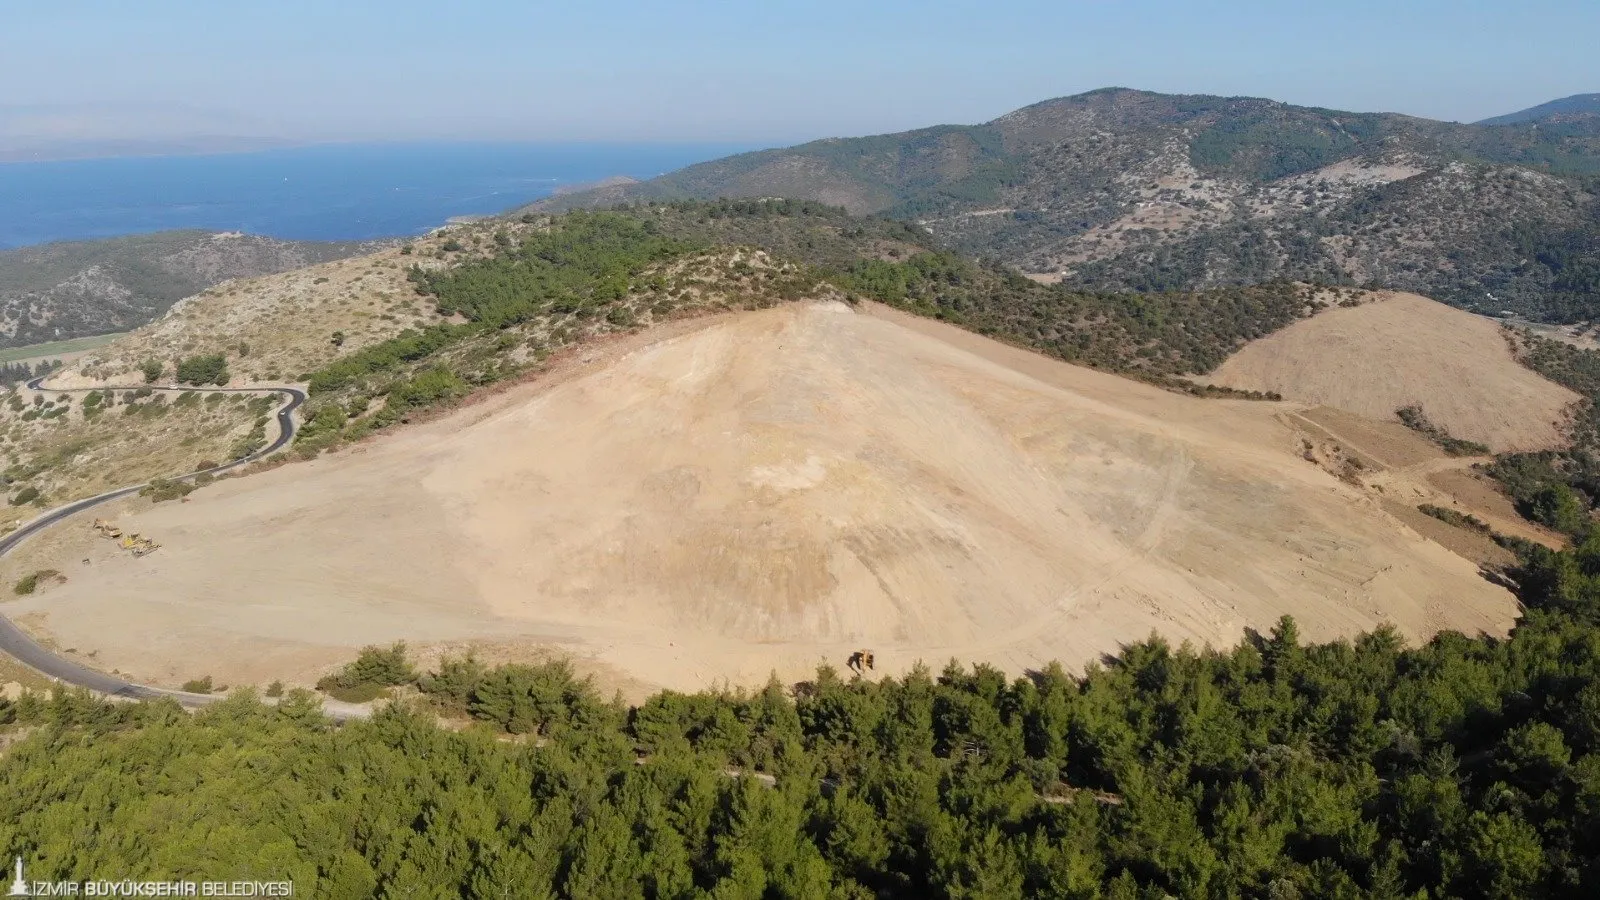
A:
772,71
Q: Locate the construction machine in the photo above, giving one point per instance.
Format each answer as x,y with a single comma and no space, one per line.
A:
860,661
138,546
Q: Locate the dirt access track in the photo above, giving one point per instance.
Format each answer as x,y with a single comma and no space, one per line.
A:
761,492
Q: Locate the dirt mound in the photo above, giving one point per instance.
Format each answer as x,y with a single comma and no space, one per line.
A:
765,491
1404,350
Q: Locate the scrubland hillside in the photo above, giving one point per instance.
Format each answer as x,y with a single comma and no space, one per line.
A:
77,288
1119,189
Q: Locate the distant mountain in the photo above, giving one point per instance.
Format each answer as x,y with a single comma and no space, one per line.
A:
51,131
79,288
1120,188
1577,108
22,149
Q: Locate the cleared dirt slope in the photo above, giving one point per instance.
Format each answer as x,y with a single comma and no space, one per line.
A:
765,491
1404,349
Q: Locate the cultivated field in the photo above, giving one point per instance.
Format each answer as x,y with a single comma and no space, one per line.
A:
1404,350
66,351
754,492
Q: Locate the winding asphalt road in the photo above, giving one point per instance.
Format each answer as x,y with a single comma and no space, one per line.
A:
23,648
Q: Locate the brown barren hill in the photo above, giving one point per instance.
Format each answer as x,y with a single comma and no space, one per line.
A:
1401,350
761,492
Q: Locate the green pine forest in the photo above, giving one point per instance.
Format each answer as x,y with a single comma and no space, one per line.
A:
1559,488
1467,767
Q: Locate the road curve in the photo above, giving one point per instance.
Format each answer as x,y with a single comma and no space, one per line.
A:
24,649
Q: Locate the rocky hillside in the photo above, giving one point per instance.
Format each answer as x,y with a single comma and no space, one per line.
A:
1148,184
274,327
1485,238
77,288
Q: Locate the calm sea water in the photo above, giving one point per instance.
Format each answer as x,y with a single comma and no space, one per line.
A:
330,192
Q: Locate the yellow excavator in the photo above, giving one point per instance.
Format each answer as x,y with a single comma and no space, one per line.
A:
132,542
861,660
139,546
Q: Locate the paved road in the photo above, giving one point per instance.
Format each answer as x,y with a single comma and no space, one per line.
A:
23,648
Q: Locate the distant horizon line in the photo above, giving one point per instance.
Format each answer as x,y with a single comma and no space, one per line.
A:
178,148
50,150
40,149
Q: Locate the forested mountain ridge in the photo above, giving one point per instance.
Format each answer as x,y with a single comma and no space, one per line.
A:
73,289
1580,109
1119,174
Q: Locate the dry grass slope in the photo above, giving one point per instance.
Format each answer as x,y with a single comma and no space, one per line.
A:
1403,350
64,448
275,328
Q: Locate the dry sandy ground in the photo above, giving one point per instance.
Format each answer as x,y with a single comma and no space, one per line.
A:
1401,466
762,492
1402,350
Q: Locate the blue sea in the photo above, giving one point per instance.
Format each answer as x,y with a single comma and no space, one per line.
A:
323,192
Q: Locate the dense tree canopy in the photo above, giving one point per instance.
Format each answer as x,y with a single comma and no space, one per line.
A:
1559,488
1154,336
1468,767
587,260
13,373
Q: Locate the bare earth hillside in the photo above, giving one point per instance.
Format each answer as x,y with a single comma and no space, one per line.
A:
762,491
1408,350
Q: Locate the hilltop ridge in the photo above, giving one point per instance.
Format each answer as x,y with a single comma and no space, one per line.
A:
1578,108
1119,189
69,289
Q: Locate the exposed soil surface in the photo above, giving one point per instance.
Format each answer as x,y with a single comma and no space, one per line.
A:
1408,350
761,492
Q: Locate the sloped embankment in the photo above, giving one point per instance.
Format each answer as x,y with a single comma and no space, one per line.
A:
1407,350
766,490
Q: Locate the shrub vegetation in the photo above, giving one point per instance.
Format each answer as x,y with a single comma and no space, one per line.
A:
1558,488
207,369
164,489
585,272
1456,518
199,685
1415,419
370,674
30,583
